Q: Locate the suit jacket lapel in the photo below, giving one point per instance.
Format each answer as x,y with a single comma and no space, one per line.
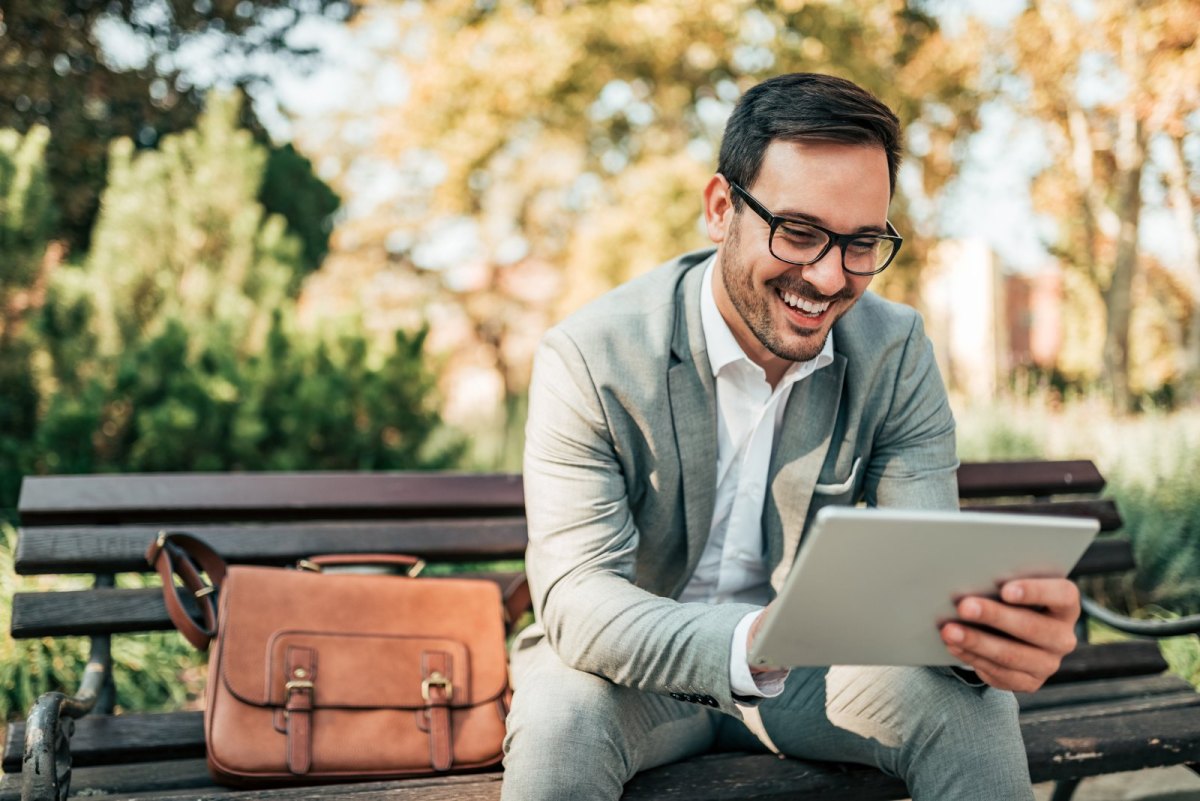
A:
693,410
796,462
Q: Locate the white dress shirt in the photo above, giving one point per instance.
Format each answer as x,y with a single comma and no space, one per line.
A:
733,565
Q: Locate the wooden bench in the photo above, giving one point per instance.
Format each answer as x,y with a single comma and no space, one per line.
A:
1111,708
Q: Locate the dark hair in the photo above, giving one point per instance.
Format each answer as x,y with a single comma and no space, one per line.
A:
804,106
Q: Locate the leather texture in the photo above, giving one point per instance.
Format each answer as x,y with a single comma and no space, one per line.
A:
318,677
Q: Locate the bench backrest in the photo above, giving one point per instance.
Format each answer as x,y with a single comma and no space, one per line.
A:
102,525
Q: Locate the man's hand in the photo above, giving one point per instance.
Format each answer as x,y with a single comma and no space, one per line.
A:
1037,615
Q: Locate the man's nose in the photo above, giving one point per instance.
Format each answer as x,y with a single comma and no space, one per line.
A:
826,273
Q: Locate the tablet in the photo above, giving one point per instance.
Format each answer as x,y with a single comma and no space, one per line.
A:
872,586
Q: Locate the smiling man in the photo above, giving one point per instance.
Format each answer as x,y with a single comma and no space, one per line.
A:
683,432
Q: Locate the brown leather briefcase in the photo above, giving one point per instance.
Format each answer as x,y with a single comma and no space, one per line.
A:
328,676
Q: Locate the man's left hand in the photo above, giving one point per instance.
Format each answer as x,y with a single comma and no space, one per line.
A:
1033,629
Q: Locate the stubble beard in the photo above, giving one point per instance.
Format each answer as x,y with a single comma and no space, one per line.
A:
755,307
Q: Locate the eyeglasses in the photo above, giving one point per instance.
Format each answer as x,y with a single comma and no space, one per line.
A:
805,243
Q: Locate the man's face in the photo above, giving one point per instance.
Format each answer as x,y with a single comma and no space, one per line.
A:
779,312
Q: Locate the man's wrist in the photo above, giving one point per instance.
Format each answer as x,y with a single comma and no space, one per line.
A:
744,680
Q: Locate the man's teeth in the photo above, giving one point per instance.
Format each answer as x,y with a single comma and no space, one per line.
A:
806,306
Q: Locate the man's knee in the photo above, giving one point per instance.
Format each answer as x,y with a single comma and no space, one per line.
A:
914,710
949,722
566,739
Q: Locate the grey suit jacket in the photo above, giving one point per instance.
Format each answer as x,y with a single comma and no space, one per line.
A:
620,471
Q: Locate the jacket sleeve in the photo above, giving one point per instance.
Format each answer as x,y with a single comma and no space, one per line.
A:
914,461
582,553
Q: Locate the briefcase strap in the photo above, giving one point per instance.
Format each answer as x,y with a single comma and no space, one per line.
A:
178,554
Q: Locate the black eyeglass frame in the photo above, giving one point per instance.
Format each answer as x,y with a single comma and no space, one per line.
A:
841,240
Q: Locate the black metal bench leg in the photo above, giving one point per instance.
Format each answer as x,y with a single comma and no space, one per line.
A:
1065,789
46,766
46,769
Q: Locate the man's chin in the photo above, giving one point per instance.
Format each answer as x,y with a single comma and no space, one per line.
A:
800,346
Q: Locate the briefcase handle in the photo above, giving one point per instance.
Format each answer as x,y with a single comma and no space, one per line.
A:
414,564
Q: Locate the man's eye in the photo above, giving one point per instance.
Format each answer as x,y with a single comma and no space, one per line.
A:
863,246
801,237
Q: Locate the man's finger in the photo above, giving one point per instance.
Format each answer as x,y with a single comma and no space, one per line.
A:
1000,677
1038,627
1000,651
1060,597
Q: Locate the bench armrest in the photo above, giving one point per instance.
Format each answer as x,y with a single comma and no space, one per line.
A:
1141,628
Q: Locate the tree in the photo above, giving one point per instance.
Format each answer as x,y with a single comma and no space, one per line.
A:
181,236
556,149
1106,81
56,72
27,216
176,346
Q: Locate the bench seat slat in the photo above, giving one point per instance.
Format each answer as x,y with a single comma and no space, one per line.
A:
112,611
1104,510
1086,692
143,777
121,739
1110,661
1188,699
1038,478
46,500
117,549
1089,746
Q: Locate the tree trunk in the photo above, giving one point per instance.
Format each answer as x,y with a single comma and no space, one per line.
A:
1119,297
1183,207
1130,153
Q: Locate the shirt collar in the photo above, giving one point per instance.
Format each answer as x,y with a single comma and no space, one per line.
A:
723,349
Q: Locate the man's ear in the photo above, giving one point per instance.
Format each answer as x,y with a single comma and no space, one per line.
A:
718,208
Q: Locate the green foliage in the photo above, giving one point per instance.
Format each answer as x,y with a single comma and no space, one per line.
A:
291,189
1182,654
994,439
55,72
305,402
175,345
1162,519
29,668
26,218
182,235
27,212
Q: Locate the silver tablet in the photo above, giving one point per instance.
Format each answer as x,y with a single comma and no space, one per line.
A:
872,586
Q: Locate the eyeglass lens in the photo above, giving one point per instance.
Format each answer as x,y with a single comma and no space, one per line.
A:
802,244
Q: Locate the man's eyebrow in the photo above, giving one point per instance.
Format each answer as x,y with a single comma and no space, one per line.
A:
802,217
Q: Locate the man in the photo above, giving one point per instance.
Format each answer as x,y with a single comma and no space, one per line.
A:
684,430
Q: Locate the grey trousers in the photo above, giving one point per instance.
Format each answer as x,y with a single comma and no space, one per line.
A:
573,735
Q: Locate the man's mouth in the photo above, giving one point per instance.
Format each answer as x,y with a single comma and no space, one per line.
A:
806,308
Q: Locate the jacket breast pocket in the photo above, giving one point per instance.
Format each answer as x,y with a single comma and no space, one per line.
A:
840,487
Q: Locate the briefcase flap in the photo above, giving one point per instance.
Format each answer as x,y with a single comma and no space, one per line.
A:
367,640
